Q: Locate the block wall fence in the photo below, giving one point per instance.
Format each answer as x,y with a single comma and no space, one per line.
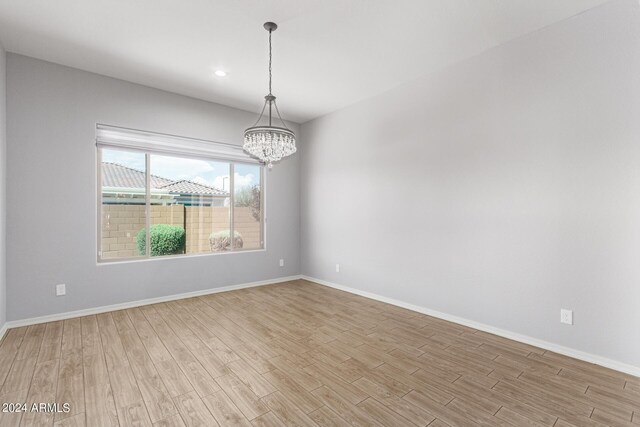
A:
121,224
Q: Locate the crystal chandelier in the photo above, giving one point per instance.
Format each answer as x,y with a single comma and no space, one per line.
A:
266,142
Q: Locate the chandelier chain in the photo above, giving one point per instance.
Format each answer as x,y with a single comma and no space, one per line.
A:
270,62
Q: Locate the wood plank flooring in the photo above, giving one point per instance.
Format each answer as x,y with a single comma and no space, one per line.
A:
298,354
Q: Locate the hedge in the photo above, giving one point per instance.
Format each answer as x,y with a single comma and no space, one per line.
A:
165,240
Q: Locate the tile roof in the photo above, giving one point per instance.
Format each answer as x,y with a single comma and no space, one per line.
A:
190,187
116,175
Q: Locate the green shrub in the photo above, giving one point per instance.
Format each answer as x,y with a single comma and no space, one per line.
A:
165,240
221,240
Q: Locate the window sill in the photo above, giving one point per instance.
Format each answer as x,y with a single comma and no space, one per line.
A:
102,262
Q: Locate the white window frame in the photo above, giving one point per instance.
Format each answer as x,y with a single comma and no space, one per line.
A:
205,150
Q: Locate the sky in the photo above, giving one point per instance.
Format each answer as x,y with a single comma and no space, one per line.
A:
205,172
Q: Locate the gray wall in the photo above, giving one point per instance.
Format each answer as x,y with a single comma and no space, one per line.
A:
3,187
51,200
499,190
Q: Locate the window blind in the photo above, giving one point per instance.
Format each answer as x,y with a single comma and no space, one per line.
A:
117,137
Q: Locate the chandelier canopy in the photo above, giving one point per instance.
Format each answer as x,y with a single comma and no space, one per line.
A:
269,143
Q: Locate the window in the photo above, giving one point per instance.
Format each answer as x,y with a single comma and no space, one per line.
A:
175,200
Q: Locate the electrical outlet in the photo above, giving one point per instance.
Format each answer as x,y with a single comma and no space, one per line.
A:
566,316
61,290
281,263
337,268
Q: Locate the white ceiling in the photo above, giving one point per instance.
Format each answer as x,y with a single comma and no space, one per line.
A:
327,53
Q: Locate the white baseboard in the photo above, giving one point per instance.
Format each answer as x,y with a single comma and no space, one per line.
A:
3,330
576,354
138,303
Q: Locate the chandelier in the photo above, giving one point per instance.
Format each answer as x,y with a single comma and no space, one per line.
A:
269,143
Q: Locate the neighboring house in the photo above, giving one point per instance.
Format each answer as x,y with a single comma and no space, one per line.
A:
124,185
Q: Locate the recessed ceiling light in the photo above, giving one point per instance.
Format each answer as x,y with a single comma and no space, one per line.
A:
221,73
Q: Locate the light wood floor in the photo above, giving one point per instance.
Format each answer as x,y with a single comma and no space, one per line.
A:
297,354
